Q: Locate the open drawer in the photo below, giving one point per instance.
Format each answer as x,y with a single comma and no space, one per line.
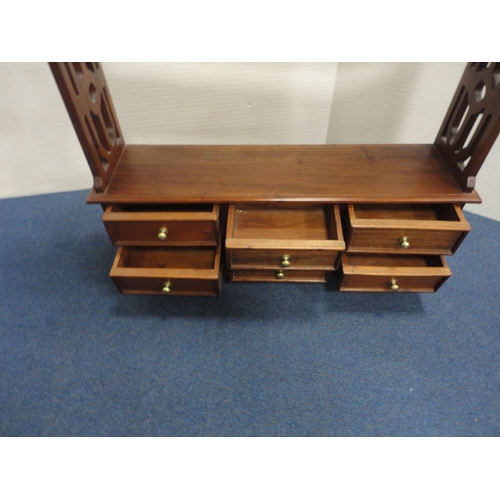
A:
167,271
391,273
162,225
406,228
280,236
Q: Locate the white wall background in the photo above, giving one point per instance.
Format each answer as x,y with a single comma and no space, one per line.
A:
228,103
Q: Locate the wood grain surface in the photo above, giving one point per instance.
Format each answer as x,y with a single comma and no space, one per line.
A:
322,173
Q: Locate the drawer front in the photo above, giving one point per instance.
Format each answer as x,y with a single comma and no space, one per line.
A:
390,283
284,258
279,275
391,273
162,233
162,228
168,270
168,286
414,229
405,240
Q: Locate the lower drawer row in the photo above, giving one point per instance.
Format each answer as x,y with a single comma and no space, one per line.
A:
198,271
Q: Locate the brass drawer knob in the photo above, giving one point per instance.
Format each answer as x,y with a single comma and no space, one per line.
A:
280,275
394,285
404,241
162,233
285,261
166,287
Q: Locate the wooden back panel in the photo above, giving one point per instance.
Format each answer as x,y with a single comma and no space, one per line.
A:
472,122
84,91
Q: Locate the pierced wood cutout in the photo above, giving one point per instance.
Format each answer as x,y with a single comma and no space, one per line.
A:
472,122
84,91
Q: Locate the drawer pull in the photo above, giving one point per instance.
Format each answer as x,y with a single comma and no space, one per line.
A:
162,233
394,285
404,242
166,287
285,261
280,275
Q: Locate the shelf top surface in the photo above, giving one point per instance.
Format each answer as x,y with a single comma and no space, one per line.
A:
309,173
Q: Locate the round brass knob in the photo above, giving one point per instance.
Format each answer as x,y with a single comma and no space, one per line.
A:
166,287
285,261
394,285
404,241
162,233
280,275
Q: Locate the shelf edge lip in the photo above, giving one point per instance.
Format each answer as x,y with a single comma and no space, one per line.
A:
118,199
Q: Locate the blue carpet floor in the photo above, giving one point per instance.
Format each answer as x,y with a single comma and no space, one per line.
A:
79,359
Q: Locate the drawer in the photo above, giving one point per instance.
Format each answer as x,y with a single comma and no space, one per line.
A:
286,236
391,273
162,225
279,275
167,271
416,229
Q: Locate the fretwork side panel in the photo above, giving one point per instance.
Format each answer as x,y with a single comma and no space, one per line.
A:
87,99
472,122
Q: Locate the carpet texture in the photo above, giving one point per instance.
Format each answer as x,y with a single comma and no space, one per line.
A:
79,359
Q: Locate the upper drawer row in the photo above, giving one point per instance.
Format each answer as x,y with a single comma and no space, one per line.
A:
417,229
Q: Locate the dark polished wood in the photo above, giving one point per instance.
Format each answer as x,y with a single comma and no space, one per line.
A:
424,229
279,276
84,91
162,227
189,271
166,207
283,236
472,122
376,273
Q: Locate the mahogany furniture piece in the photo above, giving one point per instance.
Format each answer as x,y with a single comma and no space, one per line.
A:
376,218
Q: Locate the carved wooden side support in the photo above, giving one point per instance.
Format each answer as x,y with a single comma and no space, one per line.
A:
472,122
84,91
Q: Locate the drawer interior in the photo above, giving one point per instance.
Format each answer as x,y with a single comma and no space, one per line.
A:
274,222
168,258
393,260
415,212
